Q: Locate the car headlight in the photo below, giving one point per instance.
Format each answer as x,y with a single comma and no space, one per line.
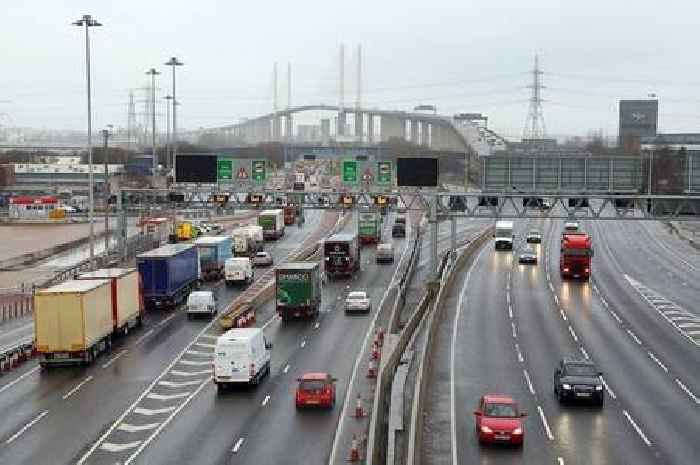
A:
599,387
486,429
566,386
518,431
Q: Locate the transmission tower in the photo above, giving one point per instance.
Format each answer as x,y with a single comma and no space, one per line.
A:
534,125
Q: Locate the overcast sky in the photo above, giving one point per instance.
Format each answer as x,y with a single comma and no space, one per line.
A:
458,55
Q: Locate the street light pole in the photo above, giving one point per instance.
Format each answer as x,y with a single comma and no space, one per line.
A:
87,22
107,190
153,73
168,162
174,62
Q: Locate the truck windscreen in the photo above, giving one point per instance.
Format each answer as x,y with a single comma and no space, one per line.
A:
577,252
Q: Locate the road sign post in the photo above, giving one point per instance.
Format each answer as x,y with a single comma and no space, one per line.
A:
224,170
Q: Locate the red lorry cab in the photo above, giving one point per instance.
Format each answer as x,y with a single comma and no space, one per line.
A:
575,255
290,214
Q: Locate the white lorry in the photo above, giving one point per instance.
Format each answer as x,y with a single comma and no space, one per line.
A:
503,235
238,270
241,356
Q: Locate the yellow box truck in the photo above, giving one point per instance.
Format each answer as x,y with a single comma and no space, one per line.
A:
73,322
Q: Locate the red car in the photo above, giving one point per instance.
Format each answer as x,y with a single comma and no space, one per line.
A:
499,421
316,390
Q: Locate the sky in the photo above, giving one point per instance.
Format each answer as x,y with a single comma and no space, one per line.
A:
461,56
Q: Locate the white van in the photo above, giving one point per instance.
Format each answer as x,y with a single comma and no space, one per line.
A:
238,270
201,303
241,355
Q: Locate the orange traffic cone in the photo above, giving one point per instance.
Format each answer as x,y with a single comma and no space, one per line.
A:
380,336
375,351
372,370
354,450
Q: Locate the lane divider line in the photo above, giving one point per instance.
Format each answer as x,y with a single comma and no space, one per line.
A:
529,382
12,438
77,387
520,354
550,436
266,400
687,391
165,321
114,359
238,445
144,336
585,354
515,334
634,336
15,381
573,333
286,368
563,315
637,428
658,362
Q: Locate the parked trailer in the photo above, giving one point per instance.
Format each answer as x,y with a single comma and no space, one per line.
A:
73,322
298,290
168,274
341,255
272,223
213,253
126,296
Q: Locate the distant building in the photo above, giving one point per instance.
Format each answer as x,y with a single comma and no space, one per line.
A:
52,174
638,118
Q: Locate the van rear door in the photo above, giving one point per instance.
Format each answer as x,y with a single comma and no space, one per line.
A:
232,361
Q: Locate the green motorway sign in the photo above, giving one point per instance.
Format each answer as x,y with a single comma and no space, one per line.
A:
258,171
224,171
384,172
349,171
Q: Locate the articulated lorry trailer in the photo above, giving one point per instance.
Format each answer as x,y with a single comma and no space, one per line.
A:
168,274
213,253
298,290
369,227
73,322
272,223
126,296
341,255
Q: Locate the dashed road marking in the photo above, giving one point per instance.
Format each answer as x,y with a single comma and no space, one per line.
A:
286,369
266,400
616,316
637,428
607,388
238,445
510,311
165,321
529,382
634,336
157,396
560,461
316,325
515,334
115,358
15,381
573,333
303,343
556,299
77,387
563,315
22,430
143,337
550,436
119,447
658,362
687,391
583,351
520,354
129,428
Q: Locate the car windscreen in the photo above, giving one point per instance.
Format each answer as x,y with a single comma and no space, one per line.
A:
581,370
500,410
311,385
356,295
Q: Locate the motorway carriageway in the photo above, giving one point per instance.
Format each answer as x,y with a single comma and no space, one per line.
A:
53,416
505,326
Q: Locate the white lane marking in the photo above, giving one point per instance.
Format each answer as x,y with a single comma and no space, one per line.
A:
157,396
195,363
136,428
453,408
583,351
687,391
615,315
198,352
161,323
604,302
303,343
177,384
595,288
520,354
634,336
515,334
177,410
510,311
209,336
317,325
205,345
695,324
144,336
115,358
77,387
637,428
238,445
607,388
266,400
556,299
114,447
529,382
563,315
508,298
19,433
24,376
545,424
560,461
190,373
270,321
286,368
573,334
551,287
658,362
153,411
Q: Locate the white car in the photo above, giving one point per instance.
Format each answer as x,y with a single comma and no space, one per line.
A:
262,259
358,301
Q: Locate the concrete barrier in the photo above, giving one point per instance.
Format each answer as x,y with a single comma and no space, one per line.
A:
423,373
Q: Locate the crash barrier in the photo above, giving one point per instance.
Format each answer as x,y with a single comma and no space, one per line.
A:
264,287
402,284
415,434
11,356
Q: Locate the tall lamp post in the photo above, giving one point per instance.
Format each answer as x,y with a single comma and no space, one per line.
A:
173,63
153,73
106,133
168,162
87,22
